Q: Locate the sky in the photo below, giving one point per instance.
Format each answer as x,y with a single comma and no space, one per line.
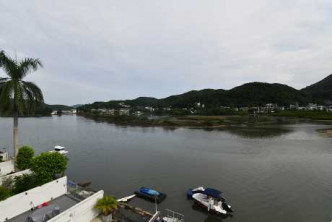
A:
122,49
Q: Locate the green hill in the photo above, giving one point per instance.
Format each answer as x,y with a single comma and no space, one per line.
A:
321,90
257,93
250,94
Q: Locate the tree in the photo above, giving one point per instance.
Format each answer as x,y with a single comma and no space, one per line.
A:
47,165
26,182
18,96
24,157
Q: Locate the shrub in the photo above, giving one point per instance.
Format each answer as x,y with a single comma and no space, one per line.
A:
26,182
24,157
47,165
8,182
4,193
107,205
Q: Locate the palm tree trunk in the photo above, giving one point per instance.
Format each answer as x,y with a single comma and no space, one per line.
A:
15,132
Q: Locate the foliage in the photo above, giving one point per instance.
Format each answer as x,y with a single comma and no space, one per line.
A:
107,205
17,95
9,183
26,182
4,193
24,157
47,165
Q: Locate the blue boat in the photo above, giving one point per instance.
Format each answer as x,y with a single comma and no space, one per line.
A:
150,194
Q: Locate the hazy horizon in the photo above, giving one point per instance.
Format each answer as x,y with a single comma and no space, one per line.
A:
111,50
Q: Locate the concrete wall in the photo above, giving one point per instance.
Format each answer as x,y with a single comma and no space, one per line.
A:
7,167
23,202
20,173
82,212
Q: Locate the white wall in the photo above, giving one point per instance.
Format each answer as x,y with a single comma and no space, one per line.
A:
7,167
23,202
82,212
20,173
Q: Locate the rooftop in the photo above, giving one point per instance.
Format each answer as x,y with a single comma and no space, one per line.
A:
64,202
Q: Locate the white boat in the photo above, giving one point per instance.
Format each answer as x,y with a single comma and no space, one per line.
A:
211,200
60,149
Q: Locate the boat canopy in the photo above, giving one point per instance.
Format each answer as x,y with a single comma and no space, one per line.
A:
149,191
212,192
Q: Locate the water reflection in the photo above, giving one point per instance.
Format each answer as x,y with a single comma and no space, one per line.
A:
259,132
254,132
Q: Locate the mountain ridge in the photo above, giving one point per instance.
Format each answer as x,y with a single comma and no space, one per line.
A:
248,94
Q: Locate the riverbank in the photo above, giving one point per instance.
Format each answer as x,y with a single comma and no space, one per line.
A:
193,121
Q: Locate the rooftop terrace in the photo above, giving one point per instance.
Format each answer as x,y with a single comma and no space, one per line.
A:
64,202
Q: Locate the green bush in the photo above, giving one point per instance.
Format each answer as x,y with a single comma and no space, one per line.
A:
24,157
8,182
47,165
4,193
107,205
26,182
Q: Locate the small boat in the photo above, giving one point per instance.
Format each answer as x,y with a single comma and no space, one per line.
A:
210,199
60,149
84,183
126,199
150,194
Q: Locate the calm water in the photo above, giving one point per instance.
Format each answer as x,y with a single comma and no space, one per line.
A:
278,174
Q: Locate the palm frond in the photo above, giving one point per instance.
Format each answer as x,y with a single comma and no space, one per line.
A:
3,79
6,96
8,64
34,91
28,64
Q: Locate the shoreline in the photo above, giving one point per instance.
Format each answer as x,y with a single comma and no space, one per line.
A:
201,122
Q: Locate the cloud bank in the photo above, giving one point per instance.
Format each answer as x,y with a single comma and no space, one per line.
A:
122,49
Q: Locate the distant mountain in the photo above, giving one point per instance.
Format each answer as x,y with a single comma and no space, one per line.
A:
59,107
76,106
250,94
321,90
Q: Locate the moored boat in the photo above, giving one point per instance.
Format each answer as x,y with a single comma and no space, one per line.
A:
60,149
150,194
210,199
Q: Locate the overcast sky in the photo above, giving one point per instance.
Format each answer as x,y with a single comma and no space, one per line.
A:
119,49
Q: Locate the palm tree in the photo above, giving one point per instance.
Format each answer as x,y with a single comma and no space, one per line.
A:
18,96
107,205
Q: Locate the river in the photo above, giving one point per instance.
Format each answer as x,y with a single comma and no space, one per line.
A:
281,173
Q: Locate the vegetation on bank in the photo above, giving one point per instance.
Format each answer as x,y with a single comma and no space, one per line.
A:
314,115
45,168
215,121
189,120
